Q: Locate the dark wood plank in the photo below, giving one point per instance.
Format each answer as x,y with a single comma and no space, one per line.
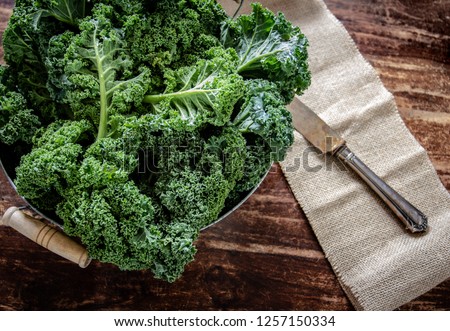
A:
265,255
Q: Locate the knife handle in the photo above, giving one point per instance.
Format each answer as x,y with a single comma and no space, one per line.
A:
46,236
413,218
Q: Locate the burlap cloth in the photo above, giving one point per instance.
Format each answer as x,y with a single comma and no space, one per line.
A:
379,265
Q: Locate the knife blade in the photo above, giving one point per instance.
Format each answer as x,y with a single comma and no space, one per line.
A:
323,137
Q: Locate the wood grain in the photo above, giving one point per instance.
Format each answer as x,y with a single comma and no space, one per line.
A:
265,255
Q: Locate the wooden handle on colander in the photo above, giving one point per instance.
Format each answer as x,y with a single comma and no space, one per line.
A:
46,236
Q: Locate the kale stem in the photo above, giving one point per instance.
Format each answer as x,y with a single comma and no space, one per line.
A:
238,8
103,94
256,60
159,97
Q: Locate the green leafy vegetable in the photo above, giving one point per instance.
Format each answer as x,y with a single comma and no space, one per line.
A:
138,123
199,174
199,94
25,48
17,121
270,47
67,11
95,58
115,222
263,113
51,166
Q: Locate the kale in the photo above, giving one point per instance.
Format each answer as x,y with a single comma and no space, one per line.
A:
141,121
269,47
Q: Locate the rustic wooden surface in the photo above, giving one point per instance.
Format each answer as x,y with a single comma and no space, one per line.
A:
264,256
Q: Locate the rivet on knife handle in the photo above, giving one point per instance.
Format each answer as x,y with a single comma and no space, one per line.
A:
413,218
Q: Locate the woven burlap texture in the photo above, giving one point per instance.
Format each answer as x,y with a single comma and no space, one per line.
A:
379,264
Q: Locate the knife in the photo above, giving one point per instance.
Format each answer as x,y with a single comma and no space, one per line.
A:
320,135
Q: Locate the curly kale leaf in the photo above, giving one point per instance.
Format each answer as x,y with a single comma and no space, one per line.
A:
17,121
211,14
200,94
96,59
115,223
66,11
176,250
124,8
257,163
113,218
53,163
269,47
55,63
197,175
25,49
263,113
172,34
230,148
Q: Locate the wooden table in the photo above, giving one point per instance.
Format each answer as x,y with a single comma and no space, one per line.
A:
265,255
